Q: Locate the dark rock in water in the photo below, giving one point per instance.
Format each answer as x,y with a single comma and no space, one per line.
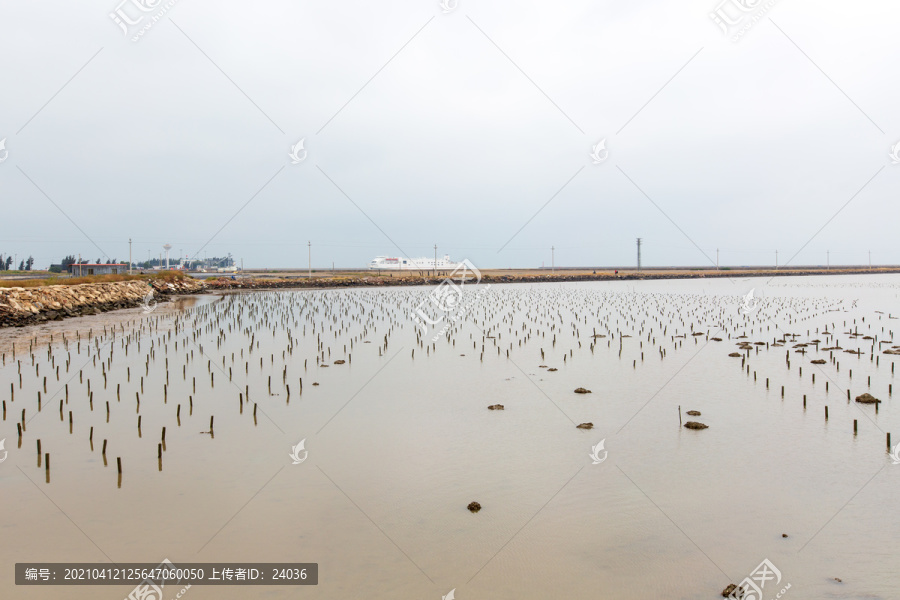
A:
582,391
315,383
731,589
695,425
867,398
694,413
585,426
552,369
474,507
324,366
340,361
818,361
716,339
784,535
495,407
735,355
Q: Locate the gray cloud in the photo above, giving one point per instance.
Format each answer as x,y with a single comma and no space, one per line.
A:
459,139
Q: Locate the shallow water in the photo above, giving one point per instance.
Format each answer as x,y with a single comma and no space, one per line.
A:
400,444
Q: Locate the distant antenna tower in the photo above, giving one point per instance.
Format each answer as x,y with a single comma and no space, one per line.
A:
167,247
639,254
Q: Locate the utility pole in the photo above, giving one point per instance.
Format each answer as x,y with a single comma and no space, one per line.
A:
309,274
435,260
552,259
129,256
717,259
639,254
828,259
870,259
776,259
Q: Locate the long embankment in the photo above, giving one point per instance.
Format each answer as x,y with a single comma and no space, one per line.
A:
20,306
380,279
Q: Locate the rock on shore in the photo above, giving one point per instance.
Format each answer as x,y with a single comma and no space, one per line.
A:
25,306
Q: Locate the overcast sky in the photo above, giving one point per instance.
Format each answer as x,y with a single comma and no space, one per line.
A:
470,129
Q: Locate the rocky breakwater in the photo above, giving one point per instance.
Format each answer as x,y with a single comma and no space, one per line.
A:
25,306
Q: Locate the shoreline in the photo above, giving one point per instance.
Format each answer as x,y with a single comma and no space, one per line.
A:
498,276
20,306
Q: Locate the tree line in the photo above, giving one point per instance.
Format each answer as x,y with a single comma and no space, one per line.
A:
6,263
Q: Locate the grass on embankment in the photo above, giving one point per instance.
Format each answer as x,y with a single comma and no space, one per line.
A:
32,283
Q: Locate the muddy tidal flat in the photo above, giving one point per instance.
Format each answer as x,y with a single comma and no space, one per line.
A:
328,426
